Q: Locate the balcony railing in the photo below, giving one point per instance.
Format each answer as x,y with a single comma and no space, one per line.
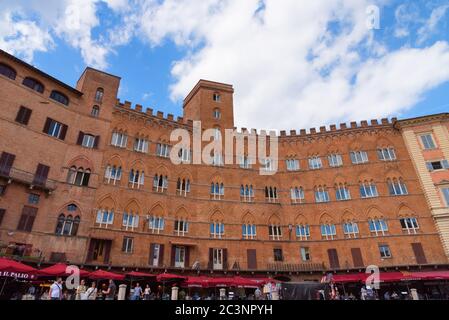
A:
289,267
28,178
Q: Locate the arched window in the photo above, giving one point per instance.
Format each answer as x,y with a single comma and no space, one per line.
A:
297,194
95,111
67,225
246,193
136,178
112,174
7,71
160,183
271,194
99,95
217,113
182,187
59,97
33,84
78,176
397,187
217,191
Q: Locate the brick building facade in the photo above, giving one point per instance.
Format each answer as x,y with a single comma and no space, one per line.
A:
86,178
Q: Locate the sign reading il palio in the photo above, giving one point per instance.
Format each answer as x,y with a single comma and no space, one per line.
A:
18,275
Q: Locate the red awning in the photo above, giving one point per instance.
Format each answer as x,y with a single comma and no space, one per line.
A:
221,282
11,268
431,275
135,274
245,282
169,276
101,274
201,282
61,270
350,277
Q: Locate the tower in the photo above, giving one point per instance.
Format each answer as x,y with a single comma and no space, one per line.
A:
212,104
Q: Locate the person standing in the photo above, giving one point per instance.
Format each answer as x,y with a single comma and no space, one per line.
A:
147,292
81,290
258,294
137,292
110,293
56,290
91,293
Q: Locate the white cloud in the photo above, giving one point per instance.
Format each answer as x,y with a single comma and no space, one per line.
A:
293,63
291,70
431,24
23,37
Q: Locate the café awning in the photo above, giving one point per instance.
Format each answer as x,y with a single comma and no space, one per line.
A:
169,276
11,268
136,274
431,275
350,277
61,270
105,275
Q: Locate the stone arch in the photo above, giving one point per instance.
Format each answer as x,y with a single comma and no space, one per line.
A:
405,211
133,206
325,218
348,216
81,161
181,213
274,219
248,218
64,207
383,142
157,210
300,219
121,126
106,202
116,160
216,216
374,212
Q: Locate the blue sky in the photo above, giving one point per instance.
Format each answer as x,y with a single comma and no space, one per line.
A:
293,64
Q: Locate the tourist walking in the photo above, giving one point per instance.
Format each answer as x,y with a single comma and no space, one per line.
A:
56,290
110,293
137,294
147,292
91,293
81,290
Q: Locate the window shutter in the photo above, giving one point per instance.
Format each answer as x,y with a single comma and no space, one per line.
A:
80,138
124,244
41,174
161,255
333,259
23,116
172,258
211,259
90,251
252,258
107,251
2,214
6,162
47,125
225,259
419,253
357,257
187,260
29,223
96,141
63,132
150,259
429,166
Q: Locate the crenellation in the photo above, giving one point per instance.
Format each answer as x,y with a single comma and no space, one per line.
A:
323,129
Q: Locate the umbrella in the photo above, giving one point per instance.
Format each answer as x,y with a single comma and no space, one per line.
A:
221,282
169,276
135,274
101,274
201,282
11,266
60,270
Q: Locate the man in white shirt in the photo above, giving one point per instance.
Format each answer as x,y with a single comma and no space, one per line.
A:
56,290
